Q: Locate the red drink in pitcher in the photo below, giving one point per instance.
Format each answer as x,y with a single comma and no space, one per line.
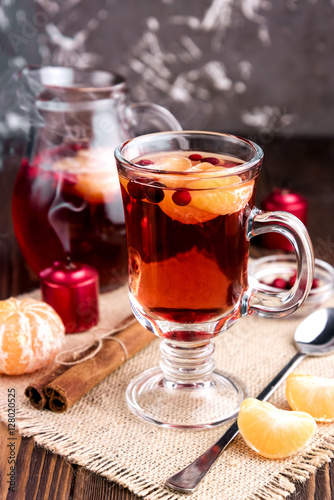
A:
67,202
187,246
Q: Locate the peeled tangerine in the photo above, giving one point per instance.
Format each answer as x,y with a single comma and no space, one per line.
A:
315,395
271,432
209,199
31,334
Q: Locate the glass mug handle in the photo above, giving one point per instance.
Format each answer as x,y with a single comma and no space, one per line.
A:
147,117
268,304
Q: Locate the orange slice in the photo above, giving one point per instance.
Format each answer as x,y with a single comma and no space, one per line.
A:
221,196
97,187
95,174
315,395
188,214
271,432
171,163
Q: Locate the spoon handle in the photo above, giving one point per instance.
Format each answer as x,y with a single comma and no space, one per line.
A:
188,479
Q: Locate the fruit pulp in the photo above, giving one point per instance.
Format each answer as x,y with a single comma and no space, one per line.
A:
186,216
67,202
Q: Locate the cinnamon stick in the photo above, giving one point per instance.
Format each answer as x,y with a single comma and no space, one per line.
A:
66,389
35,391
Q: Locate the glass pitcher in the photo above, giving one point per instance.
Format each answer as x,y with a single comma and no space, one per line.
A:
66,202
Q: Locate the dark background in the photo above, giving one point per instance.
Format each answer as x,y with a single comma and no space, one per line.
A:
259,68
245,66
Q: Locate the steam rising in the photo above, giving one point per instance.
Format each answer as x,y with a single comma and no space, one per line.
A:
58,219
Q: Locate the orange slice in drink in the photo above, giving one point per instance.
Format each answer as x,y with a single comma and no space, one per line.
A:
188,214
221,196
172,163
315,395
271,432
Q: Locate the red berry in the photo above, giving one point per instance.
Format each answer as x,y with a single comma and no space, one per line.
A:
136,190
292,279
25,162
154,192
279,283
230,164
195,157
144,163
212,160
78,147
315,283
181,197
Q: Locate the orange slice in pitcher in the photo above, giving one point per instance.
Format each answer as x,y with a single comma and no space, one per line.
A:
97,187
315,395
94,174
271,432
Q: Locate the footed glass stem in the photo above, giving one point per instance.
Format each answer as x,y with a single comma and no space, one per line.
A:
185,391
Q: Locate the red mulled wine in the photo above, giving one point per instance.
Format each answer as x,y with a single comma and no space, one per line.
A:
187,246
67,202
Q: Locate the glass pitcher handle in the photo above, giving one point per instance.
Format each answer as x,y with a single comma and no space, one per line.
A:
148,117
268,304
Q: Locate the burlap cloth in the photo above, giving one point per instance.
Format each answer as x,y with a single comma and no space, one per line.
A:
101,434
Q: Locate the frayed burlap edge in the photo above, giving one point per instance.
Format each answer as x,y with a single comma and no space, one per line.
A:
278,487
283,484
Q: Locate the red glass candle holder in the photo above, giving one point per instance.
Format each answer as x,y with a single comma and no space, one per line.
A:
72,290
288,201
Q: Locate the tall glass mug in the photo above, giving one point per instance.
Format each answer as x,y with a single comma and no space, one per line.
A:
189,210
67,202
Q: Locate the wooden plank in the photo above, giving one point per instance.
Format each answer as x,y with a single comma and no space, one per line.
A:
4,457
304,491
322,484
40,475
89,486
50,476
331,478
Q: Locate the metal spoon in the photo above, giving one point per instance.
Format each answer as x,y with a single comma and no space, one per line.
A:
313,337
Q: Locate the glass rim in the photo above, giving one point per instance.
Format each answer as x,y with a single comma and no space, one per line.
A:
247,165
40,74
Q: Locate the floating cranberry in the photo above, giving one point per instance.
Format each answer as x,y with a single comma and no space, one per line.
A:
292,280
154,192
230,164
25,162
69,180
136,190
315,283
195,157
144,163
212,160
181,197
279,283
78,147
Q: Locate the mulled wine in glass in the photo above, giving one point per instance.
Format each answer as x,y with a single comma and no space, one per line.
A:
189,210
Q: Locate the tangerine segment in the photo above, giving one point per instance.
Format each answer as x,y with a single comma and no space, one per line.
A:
315,395
221,196
171,163
31,334
188,214
172,283
271,432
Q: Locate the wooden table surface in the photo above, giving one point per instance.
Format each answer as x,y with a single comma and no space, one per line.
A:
303,165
